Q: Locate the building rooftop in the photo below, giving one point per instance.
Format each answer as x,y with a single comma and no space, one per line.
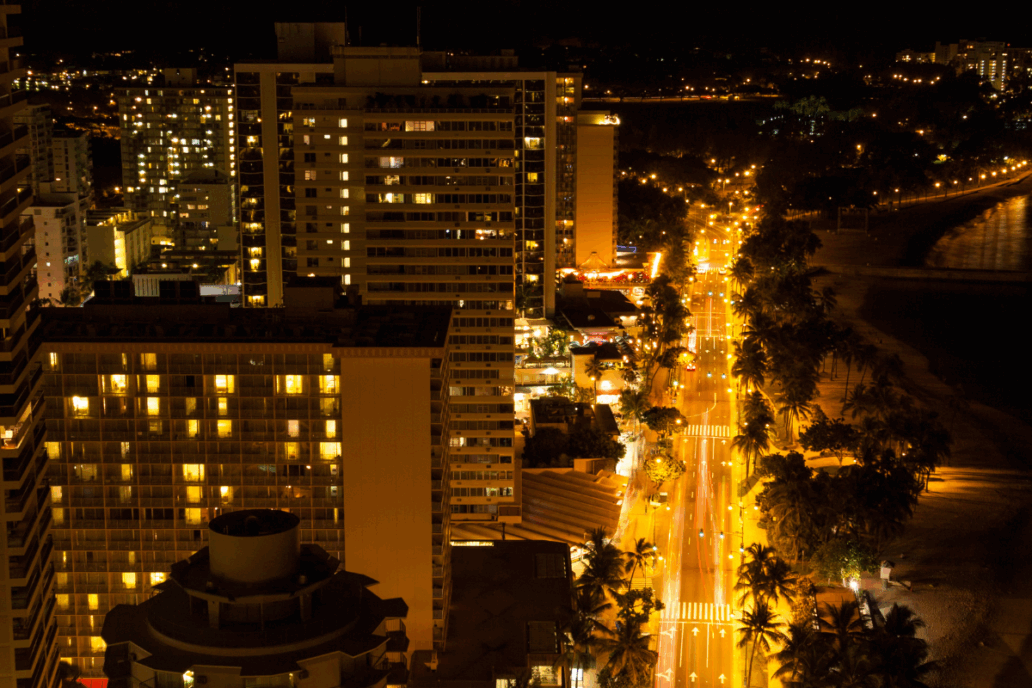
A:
508,601
203,619
183,316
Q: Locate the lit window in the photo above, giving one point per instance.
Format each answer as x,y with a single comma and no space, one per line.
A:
62,601
55,360
422,198
345,193
58,516
223,406
127,471
193,472
343,140
153,384
293,384
419,126
193,494
56,494
343,123
328,384
149,361
290,449
193,516
344,175
331,428
193,428
118,384
344,158
153,405
225,384
93,601
53,450
226,493
97,644
329,451
129,579
80,406
293,428
345,228
225,428
157,578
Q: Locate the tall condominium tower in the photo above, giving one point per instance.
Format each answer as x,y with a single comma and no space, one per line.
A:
166,412
39,122
544,107
28,655
403,192
73,167
168,132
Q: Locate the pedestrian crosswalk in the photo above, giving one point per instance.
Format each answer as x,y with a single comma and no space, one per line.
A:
708,431
698,611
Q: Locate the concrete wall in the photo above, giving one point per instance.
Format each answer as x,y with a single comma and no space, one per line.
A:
595,224
385,408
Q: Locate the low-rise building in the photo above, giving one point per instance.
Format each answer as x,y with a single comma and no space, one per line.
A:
258,608
509,600
122,239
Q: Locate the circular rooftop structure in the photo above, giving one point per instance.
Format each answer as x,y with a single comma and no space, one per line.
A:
254,546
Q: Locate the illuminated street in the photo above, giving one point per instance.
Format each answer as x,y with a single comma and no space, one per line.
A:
697,626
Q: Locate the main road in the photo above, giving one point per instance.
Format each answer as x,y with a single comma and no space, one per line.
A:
703,539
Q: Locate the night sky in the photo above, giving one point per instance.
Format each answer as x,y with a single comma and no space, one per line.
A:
244,27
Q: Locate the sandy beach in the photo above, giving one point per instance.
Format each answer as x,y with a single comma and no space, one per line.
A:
965,553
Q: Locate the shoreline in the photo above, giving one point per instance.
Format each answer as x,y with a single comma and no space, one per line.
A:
903,238
963,551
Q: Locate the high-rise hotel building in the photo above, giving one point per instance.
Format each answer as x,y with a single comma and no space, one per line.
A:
28,655
404,192
545,126
166,413
169,131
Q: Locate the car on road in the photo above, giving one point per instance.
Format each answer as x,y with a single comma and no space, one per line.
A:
690,367
722,271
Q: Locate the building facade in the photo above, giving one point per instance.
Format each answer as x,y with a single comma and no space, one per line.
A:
28,654
165,415
59,236
320,627
168,132
403,191
207,212
73,167
597,213
544,106
39,122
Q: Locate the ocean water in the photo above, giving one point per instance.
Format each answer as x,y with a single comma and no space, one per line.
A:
973,334
998,239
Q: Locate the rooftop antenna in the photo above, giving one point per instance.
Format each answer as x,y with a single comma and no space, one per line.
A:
418,12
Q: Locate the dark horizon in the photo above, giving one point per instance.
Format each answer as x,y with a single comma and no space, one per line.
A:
76,27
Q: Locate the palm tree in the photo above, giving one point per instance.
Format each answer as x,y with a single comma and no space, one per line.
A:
523,678
760,627
629,653
754,442
796,644
855,669
841,623
765,576
639,557
580,635
603,566
750,366
858,401
741,271
594,368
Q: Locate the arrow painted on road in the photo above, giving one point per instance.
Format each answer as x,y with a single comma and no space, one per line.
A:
665,675
692,676
721,677
670,632
721,632
695,631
